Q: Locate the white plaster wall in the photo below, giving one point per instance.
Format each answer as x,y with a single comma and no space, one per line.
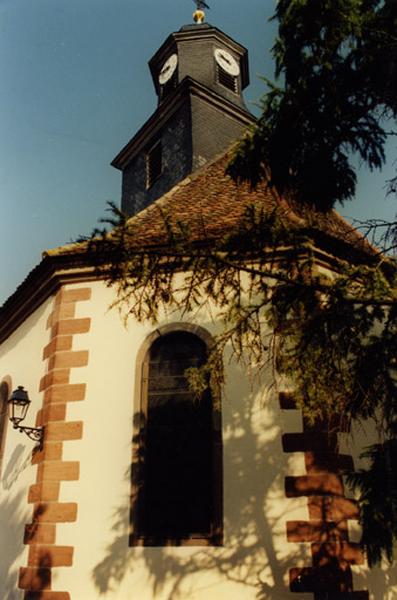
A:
21,361
255,557
254,562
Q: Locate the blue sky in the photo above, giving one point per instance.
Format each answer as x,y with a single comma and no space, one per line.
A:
75,88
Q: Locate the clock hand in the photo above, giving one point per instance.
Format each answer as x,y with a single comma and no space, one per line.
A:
226,59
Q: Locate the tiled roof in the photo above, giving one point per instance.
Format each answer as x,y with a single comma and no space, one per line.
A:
211,204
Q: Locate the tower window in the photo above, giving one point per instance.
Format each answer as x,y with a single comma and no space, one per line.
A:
226,79
178,478
154,163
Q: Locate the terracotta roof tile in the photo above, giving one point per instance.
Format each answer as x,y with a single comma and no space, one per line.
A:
212,204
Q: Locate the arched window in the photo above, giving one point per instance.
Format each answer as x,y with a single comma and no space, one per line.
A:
178,475
4,393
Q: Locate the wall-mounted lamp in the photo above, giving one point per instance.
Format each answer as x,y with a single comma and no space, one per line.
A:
18,406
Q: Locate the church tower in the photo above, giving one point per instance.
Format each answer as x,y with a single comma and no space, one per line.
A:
199,74
138,489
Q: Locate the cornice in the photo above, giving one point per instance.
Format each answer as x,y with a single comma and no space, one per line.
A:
42,282
166,110
203,32
55,271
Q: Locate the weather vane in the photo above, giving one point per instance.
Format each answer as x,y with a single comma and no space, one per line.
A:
199,14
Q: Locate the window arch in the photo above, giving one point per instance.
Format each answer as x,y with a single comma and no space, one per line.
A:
177,471
4,395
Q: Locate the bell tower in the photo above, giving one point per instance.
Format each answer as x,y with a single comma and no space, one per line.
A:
199,74
207,56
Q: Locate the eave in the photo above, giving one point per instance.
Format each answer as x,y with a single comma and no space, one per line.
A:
58,269
43,281
165,111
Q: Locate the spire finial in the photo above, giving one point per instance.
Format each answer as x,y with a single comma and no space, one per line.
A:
199,14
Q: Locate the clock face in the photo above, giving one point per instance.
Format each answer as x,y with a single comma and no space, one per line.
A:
227,62
168,69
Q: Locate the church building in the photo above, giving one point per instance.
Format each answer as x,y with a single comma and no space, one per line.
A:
125,487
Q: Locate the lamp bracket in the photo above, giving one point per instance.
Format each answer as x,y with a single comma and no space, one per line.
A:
34,433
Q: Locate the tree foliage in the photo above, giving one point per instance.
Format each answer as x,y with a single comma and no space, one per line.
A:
378,500
330,333
337,61
276,306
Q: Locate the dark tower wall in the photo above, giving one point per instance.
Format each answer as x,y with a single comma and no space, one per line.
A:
213,130
176,139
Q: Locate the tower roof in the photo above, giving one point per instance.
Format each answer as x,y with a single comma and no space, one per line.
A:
211,205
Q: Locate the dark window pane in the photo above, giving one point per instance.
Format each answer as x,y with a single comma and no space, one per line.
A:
154,164
176,498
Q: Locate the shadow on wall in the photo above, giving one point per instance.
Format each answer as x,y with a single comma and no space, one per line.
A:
40,582
254,529
18,462
12,525
13,517
382,583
